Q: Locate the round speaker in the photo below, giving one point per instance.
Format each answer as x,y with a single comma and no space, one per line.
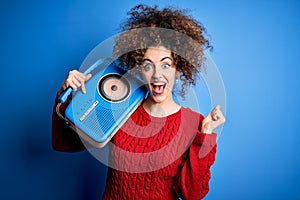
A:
114,87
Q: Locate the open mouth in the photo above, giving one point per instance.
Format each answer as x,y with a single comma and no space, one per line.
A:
158,88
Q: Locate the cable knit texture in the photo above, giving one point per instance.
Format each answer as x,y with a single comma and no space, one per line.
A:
179,165
152,158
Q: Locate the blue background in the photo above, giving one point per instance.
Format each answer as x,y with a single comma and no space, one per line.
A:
255,47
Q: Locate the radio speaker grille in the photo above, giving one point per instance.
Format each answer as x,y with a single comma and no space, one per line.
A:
100,120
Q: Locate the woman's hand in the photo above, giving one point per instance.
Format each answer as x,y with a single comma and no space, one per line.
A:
75,80
213,120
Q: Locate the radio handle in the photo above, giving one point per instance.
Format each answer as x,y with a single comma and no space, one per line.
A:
64,95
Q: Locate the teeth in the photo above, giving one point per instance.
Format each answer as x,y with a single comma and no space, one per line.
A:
158,84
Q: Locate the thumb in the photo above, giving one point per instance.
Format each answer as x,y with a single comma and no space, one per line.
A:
217,107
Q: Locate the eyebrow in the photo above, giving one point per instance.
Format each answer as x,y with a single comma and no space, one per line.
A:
167,57
147,59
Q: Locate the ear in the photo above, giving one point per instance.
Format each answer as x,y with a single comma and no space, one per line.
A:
177,74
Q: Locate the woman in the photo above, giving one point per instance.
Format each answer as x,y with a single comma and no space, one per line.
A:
177,144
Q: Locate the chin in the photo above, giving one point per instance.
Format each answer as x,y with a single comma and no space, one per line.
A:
159,98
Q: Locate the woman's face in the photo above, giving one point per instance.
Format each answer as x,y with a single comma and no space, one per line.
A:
158,72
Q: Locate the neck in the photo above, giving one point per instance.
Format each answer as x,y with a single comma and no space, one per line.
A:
160,109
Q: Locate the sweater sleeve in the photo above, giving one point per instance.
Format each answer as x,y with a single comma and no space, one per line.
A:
194,172
64,138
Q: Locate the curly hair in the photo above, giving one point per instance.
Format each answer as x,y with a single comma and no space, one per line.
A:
170,27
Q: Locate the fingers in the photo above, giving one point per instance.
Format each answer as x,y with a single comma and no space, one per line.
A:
217,114
213,120
74,79
77,79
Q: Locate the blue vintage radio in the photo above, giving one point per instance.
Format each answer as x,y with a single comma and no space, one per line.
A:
112,95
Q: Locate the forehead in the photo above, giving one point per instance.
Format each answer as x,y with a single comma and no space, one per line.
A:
157,53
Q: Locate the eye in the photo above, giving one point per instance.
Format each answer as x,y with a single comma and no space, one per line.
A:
166,66
147,67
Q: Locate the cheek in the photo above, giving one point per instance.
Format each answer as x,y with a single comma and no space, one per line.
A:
146,78
171,77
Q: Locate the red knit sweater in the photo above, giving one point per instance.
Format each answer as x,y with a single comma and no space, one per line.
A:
153,158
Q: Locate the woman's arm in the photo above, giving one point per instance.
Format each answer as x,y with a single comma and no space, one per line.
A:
194,173
65,138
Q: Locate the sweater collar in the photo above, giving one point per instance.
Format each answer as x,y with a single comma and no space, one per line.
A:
151,118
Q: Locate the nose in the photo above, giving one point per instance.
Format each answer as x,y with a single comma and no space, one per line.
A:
157,72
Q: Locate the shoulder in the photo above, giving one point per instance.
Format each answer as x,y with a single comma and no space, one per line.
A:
190,115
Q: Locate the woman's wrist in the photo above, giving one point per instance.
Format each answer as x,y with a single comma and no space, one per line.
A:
206,130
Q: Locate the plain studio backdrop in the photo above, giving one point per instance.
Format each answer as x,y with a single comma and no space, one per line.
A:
255,48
